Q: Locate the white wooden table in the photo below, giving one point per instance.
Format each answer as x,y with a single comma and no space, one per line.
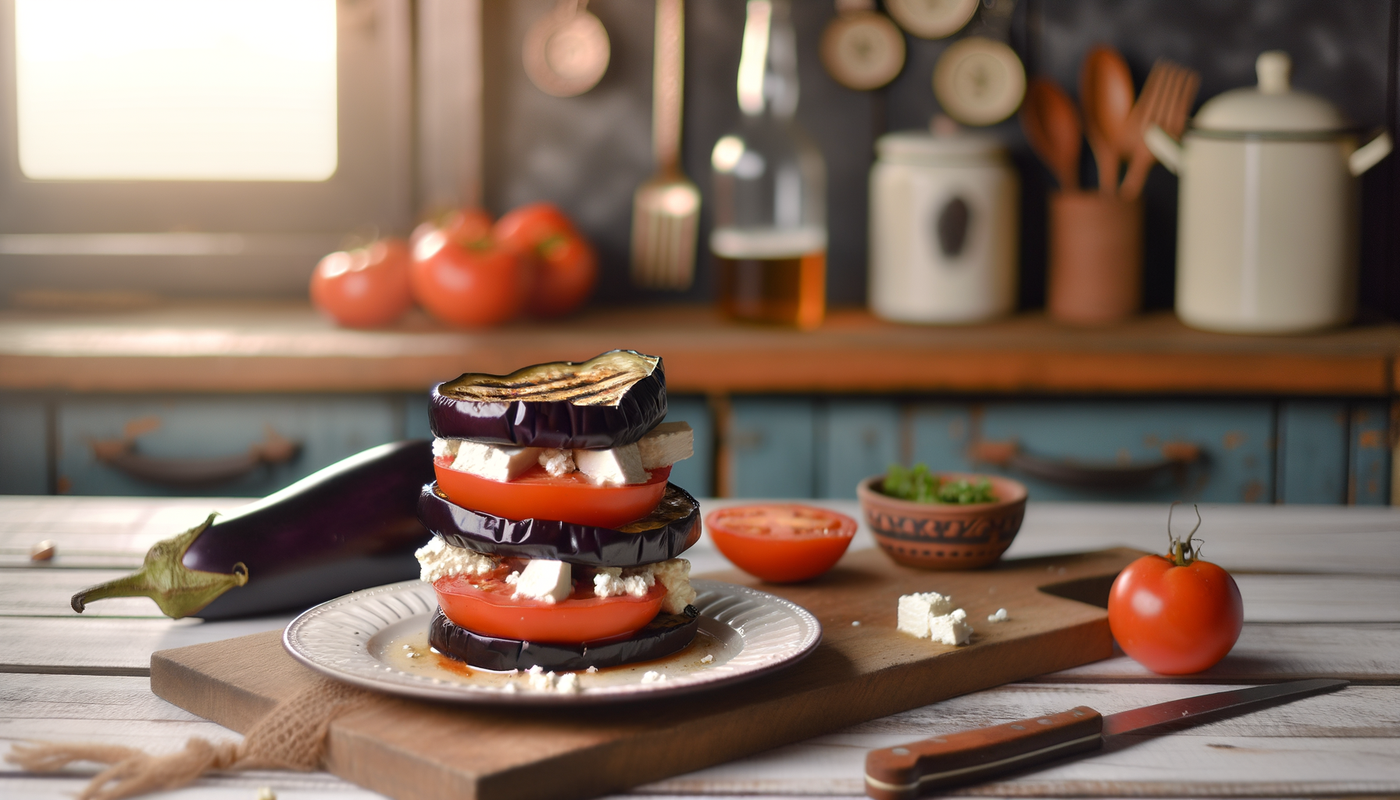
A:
1321,590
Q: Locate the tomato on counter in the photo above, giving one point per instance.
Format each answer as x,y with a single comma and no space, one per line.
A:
537,495
567,264
366,287
780,542
463,276
485,605
1175,614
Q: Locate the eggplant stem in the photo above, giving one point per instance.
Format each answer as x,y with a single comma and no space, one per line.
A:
177,590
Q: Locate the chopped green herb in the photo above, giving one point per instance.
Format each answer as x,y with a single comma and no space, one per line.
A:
921,486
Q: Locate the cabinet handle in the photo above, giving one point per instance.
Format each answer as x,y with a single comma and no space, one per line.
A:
1176,456
122,455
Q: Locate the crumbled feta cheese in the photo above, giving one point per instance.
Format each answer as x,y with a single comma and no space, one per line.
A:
557,463
492,461
708,659
675,576
652,676
916,609
666,444
510,688
950,628
543,579
438,559
568,684
612,582
592,670
618,466
855,623
1000,616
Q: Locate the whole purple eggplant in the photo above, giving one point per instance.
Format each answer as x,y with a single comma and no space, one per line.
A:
349,526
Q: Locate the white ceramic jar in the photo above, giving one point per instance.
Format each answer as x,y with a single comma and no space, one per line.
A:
1267,227
944,237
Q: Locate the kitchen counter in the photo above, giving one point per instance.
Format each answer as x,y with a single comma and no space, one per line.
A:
287,347
1321,590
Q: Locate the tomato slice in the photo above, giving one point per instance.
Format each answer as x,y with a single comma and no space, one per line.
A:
537,495
781,543
484,604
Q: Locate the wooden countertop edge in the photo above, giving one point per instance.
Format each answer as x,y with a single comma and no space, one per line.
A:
286,348
845,371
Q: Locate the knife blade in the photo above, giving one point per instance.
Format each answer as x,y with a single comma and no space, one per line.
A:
898,773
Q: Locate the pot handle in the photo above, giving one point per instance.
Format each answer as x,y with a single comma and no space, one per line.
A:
1370,154
1164,147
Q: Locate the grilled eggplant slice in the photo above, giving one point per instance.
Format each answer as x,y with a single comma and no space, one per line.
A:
607,401
347,527
666,634
669,530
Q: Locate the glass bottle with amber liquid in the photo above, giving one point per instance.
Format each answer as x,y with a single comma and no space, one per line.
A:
769,239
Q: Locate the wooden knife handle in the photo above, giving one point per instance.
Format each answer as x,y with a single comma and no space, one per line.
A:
896,773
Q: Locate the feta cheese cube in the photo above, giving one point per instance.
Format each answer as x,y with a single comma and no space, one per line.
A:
618,466
666,444
916,609
494,462
542,579
950,628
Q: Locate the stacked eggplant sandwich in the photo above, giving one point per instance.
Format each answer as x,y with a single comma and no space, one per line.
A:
556,531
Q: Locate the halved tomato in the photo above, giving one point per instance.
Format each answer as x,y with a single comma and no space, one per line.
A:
781,543
537,495
484,604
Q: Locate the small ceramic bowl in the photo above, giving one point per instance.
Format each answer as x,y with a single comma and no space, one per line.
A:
940,535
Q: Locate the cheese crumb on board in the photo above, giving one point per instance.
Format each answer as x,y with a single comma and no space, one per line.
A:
1000,616
653,676
708,659
916,609
930,615
950,628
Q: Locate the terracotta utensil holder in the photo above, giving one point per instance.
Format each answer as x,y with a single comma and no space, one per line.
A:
1095,258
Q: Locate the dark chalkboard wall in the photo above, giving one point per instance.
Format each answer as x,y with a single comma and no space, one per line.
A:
588,153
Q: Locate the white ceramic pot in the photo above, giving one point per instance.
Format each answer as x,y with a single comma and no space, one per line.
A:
1267,229
944,215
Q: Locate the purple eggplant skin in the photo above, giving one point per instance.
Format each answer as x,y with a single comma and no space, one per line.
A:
667,532
349,526
666,634
550,423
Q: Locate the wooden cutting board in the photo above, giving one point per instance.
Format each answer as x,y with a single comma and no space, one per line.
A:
417,750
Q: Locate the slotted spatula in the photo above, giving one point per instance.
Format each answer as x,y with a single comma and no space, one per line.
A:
666,209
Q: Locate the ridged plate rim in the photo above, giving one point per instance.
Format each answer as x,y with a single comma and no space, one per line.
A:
333,639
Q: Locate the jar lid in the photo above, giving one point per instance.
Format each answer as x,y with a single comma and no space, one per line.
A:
925,147
1272,106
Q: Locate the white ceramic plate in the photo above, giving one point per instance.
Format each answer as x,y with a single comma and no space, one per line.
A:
378,639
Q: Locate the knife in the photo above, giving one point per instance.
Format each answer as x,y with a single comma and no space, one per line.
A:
898,773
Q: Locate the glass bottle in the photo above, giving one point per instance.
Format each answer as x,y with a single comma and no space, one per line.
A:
769,239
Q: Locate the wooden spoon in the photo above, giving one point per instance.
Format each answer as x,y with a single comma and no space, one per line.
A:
1106,95
1051,124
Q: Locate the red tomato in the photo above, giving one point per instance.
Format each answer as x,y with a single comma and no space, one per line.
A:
470,286
1175,619
781,543
536,495
364,288
465,226
568,264
483,604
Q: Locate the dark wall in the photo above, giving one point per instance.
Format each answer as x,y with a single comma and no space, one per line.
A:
588,153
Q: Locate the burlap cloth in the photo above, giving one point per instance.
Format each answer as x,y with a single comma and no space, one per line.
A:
292,736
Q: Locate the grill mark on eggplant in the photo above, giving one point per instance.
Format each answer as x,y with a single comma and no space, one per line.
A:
602,380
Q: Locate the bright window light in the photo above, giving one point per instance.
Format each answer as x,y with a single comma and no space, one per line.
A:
225,90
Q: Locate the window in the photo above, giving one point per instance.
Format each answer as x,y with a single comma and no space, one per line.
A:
198,147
